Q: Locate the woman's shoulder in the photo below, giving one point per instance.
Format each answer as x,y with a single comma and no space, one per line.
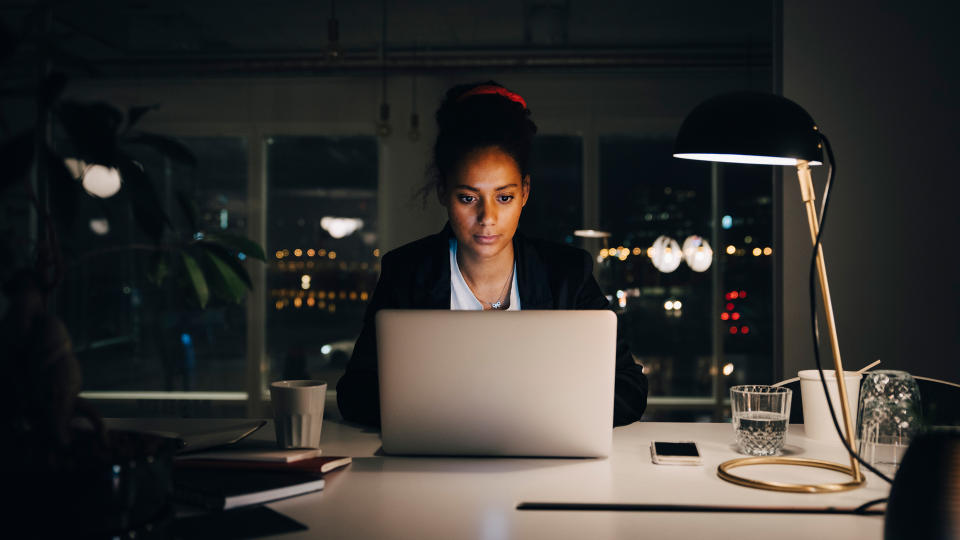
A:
556,256
417,250
417,247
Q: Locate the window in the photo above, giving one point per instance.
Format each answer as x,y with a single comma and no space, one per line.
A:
555,207
131,334
676,318
323,257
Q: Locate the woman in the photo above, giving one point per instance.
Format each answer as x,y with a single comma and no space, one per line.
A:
479,260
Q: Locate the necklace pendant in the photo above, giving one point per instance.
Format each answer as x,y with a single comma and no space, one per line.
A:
496,305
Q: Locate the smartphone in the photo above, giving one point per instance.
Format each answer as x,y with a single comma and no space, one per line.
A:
675,453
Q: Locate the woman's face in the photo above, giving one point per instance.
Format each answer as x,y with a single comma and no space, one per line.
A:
484,199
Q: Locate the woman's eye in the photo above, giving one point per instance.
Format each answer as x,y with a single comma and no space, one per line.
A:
467,198
505,198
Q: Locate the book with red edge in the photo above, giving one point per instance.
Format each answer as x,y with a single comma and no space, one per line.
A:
317,465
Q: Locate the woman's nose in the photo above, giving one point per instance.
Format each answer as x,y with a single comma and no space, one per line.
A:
486,212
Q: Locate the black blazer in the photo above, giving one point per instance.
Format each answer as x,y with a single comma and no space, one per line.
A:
417,276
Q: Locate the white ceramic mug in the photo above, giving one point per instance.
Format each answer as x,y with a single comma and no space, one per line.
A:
816,415
298,412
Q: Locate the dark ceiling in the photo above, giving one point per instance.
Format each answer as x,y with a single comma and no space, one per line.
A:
180,37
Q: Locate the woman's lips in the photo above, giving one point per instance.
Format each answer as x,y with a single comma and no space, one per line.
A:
486,239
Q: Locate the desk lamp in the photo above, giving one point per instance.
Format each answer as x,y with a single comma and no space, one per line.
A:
759,128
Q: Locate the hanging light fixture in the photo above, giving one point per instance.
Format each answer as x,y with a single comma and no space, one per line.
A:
666,255
101,181
698,253
333,34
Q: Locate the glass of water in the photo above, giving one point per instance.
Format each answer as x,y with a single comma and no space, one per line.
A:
889,417
760,415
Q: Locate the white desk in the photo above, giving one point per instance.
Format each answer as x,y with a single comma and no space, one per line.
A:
398,497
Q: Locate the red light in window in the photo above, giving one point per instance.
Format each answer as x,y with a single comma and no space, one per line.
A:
733,295
745,330
730,306
724,316
733,329
735,316
743,294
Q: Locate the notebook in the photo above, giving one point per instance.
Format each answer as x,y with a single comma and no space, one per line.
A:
223,489
505,383
316,465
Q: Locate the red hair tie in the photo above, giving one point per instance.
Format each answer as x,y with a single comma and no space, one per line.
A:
491,89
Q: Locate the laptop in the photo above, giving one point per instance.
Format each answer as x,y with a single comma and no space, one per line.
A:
505,383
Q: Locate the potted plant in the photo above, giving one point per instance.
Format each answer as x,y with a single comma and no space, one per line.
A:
60,453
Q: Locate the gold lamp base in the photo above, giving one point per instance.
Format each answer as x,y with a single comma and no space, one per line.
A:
857,479
723,471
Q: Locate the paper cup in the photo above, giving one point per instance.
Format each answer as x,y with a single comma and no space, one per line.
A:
298,412
817,423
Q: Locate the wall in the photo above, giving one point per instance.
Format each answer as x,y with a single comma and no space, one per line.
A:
882,85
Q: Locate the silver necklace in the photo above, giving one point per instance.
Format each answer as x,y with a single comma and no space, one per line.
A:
499,302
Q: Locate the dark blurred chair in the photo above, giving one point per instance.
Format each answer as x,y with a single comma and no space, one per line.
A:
940,401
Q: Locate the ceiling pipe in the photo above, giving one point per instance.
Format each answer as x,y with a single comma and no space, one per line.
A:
411,61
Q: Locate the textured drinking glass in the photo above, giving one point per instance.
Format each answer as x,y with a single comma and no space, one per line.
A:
760,415
298,412
889,417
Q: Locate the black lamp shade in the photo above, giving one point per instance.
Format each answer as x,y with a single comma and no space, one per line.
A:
749,127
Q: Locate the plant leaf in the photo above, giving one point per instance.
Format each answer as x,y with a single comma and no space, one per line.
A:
196,278
237,243
16,154
233,288
168,146
159,272
229,259
190,210
52,87
92,130
134,114
65,190
143,197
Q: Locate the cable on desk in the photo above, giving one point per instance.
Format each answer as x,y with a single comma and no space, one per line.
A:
862,510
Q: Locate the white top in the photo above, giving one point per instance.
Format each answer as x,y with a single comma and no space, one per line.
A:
462,298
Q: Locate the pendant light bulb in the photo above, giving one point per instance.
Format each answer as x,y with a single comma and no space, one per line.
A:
698,253
101,181
666,255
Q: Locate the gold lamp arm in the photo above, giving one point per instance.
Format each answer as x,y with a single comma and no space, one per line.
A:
808,195
857,478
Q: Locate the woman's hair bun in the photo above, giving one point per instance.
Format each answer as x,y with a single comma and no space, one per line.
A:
481,115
